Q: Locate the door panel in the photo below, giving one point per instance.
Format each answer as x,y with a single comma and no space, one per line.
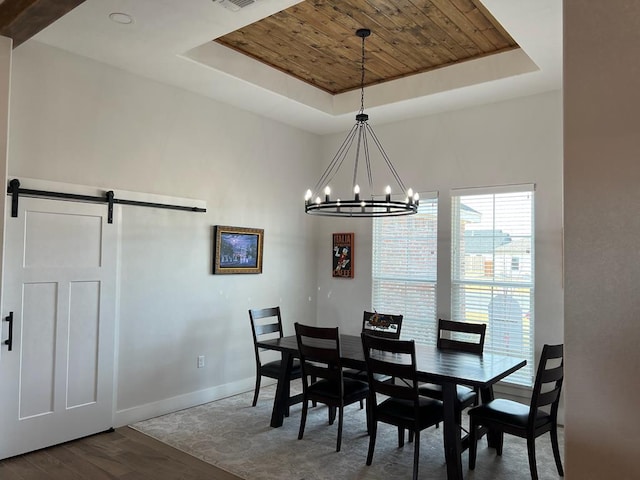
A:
59,282
84,326
37,352
70,240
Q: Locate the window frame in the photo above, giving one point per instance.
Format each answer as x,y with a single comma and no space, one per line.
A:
508,293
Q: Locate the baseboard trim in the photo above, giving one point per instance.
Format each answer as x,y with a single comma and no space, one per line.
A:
161,407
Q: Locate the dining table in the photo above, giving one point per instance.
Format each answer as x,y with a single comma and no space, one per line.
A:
445,367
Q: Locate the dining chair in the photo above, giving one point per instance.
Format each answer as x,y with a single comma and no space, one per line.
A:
461,337
401,404
525,421
267,323
381,325
322,378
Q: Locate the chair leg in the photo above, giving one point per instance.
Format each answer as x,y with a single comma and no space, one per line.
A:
499,443
531,450
411,436
361,404
332,415
556,450
416,454
473,444
400,437
372,441
340,415
313,380
286,410
303,418
257,389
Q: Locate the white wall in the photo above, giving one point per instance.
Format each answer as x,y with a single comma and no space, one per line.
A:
512,142
602,226
77,121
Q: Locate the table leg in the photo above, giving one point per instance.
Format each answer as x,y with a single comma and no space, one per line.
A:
280,403
452,441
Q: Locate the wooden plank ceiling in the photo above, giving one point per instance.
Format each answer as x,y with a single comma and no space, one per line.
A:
315,40
22,19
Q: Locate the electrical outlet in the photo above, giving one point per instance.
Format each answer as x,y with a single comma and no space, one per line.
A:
200,361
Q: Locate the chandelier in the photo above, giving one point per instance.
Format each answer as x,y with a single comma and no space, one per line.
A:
361,205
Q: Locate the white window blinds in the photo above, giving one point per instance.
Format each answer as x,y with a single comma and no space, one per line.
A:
492,276
404,269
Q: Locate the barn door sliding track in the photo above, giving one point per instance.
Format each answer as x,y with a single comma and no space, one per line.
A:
15,191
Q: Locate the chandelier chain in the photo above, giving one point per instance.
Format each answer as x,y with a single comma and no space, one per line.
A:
362,79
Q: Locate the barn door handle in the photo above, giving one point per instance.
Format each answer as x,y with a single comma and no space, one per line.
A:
9,341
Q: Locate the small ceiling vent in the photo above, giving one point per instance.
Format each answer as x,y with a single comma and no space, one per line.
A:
235,5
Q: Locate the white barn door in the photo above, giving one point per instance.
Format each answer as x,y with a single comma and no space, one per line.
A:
56,382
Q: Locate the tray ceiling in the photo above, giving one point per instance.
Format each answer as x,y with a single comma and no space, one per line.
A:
315,40
298,62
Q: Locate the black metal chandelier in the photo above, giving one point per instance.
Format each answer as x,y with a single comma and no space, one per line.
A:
366,205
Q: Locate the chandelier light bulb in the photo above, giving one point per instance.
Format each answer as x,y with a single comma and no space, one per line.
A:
308,195
318,200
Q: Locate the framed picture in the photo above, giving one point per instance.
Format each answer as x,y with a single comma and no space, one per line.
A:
343,255
237,250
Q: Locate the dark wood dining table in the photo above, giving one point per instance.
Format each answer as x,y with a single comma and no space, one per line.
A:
436,366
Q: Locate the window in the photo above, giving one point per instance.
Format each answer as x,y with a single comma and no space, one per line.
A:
404,269
496,225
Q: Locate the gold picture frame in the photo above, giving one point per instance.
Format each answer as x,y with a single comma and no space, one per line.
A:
237,250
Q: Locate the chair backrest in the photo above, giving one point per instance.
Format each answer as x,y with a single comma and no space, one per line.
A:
264,322
382,324
461,336
320,353
548,383
388,357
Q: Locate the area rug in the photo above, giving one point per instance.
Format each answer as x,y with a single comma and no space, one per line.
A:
236,437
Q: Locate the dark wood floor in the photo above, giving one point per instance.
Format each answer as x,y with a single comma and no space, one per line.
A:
124,454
